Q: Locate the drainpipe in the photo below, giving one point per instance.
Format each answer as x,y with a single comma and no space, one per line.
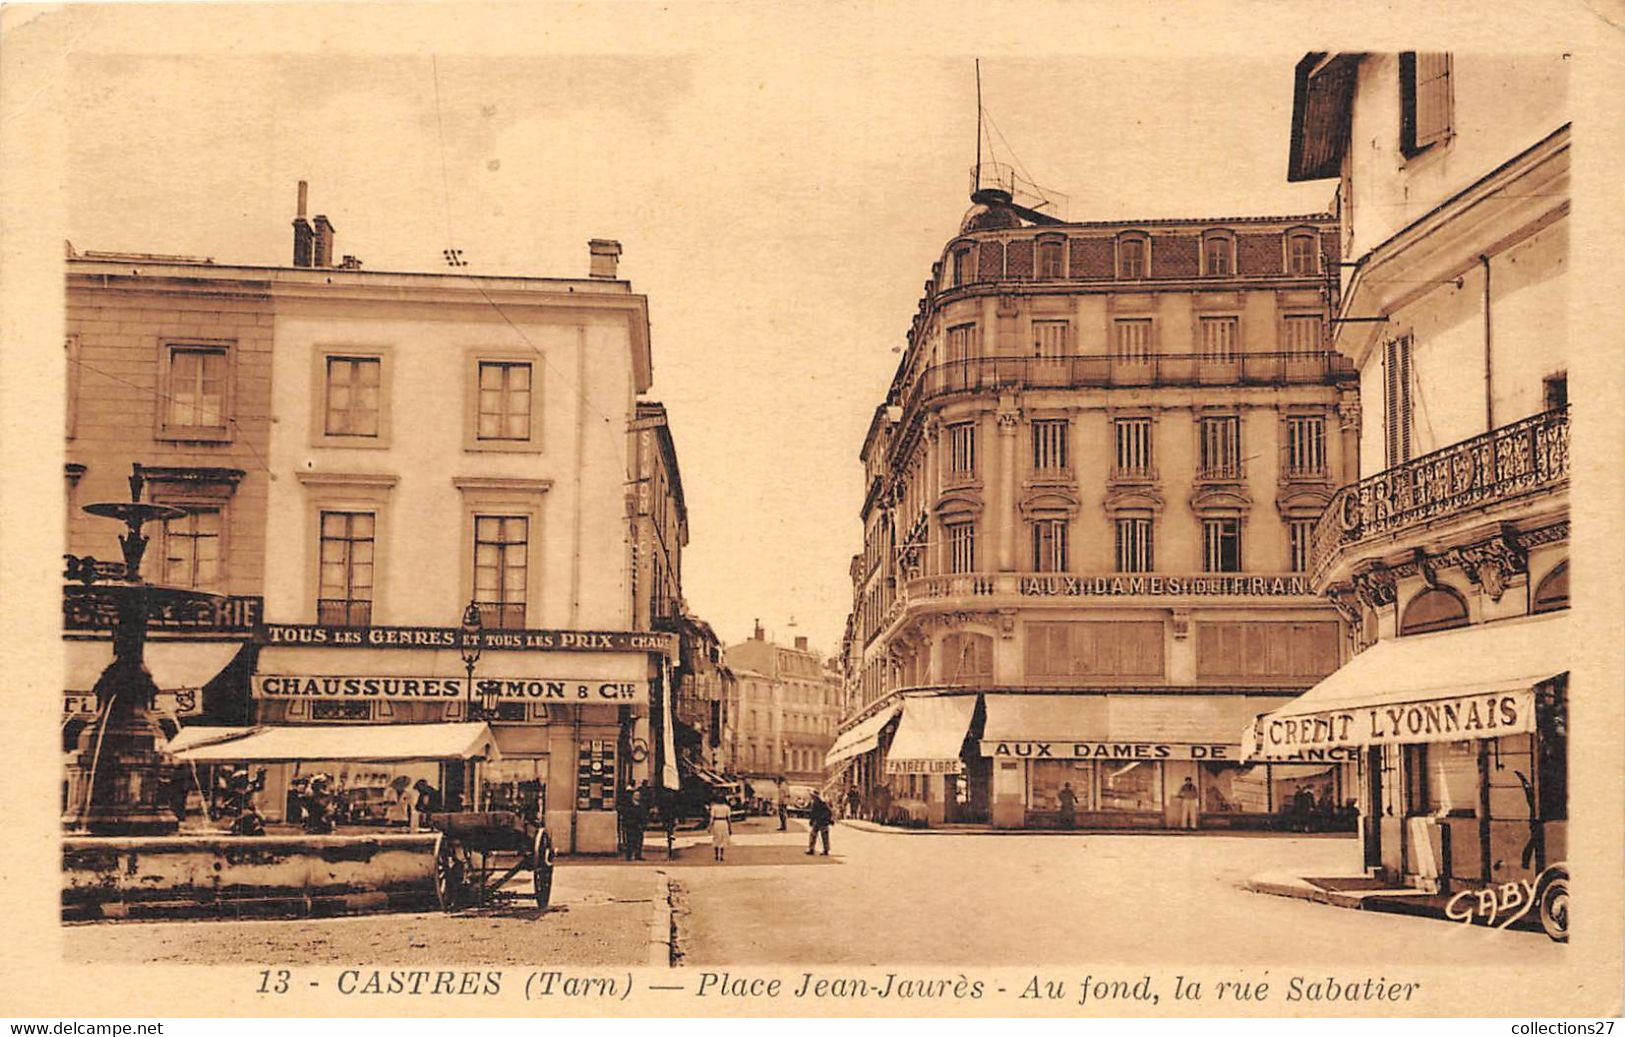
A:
1489,376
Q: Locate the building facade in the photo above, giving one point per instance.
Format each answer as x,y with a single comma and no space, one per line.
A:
783,712
1449,555
1090,493
168,363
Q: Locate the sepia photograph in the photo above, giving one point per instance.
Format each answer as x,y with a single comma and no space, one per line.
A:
815,510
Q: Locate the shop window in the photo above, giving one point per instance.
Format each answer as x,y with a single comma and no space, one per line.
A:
1231,789
1307,794
1433,609
1553,592
1130,786
1451,785
1049,777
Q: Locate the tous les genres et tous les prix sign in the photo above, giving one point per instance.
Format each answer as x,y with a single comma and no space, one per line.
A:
309,635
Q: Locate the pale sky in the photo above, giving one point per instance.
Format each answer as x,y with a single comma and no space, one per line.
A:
780,205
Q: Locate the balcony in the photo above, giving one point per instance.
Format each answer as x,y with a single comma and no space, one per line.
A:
989,373
1030,587
1508,463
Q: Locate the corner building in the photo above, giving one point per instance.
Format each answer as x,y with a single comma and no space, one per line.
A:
1091,489
1449,555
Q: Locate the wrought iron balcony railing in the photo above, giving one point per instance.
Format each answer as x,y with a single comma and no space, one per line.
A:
1501,465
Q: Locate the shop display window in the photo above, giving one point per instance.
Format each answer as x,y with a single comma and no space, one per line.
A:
1049,776
1452,778
1131,786
515,784
1231,789
1511,767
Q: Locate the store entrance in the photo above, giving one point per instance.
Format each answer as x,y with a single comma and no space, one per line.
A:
971,791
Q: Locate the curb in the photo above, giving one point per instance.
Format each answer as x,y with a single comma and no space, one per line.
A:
1047,833
660,923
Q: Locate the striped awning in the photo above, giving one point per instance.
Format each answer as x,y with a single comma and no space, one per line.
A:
862,737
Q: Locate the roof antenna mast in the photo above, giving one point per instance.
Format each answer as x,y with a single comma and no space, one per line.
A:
978,124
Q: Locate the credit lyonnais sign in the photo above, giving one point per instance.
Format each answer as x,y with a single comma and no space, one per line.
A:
1452,719
404,688
310,635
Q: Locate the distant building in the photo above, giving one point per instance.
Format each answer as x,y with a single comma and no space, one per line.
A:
1449,555
784,708
1090,493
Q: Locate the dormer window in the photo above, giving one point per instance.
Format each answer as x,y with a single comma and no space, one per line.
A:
1303,253
1051,259
1133,257
1218,254
962,265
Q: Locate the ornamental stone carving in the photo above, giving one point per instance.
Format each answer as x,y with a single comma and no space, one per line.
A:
1376,587
1494,563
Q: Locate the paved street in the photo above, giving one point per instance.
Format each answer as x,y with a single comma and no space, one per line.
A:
880,897
1015,899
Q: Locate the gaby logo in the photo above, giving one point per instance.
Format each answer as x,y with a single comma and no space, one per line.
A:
1499,906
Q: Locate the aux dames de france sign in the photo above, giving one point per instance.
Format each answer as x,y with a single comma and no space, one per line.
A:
1088,750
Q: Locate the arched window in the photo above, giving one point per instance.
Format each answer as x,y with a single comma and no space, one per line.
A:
1434,609
1051,259
1303,253
1553,592
1133,256
1218,253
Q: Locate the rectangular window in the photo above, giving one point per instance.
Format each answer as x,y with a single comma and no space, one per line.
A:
352,396
1305,447
505,398
1221,545
961,343
1133,457
1134,545
1396,376
1220,338
1555,391
1131,264
1216,257
344,593
1302,258
1134,339
197,389
1221,448
1050,339
1301,335
962,449
501,565
1049,546
1051,260
1049,445
962,267
1424,100
192,550
962,547
1300,534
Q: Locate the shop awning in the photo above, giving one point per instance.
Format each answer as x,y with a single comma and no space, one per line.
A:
1450,686
174,665
930,735
862,737
1125,726
350,742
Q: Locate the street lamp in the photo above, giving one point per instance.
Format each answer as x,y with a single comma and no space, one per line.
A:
469,644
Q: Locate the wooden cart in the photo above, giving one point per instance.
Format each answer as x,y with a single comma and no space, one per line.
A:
480,851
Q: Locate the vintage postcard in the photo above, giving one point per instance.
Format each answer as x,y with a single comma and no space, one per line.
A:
809,509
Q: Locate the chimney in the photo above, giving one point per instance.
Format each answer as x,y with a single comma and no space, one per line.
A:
605,256
324,242
801,644
758,636
301,231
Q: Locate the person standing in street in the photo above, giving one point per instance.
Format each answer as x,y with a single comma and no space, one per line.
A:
1187,805
642,807
853,799
1069,806
819,820
722,826
624,808
784,810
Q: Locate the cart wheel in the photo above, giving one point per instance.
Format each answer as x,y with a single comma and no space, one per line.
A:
541,868
1554,906
452,871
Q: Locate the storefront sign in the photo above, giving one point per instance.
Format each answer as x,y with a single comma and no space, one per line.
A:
305,634
1440,720
1064,750
185,702
924,766
92,609
397,689
1060,585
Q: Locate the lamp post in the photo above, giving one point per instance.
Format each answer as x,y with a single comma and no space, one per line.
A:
470,645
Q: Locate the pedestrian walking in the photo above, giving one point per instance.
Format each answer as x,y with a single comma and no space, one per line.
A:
853,800
1069,806
784,810
722,826
1187,804
819,820
642,806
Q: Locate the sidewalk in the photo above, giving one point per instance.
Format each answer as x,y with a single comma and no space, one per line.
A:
957,829
1363,893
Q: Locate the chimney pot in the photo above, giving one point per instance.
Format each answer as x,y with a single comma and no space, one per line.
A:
604,256
758,636
801,644
304,191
